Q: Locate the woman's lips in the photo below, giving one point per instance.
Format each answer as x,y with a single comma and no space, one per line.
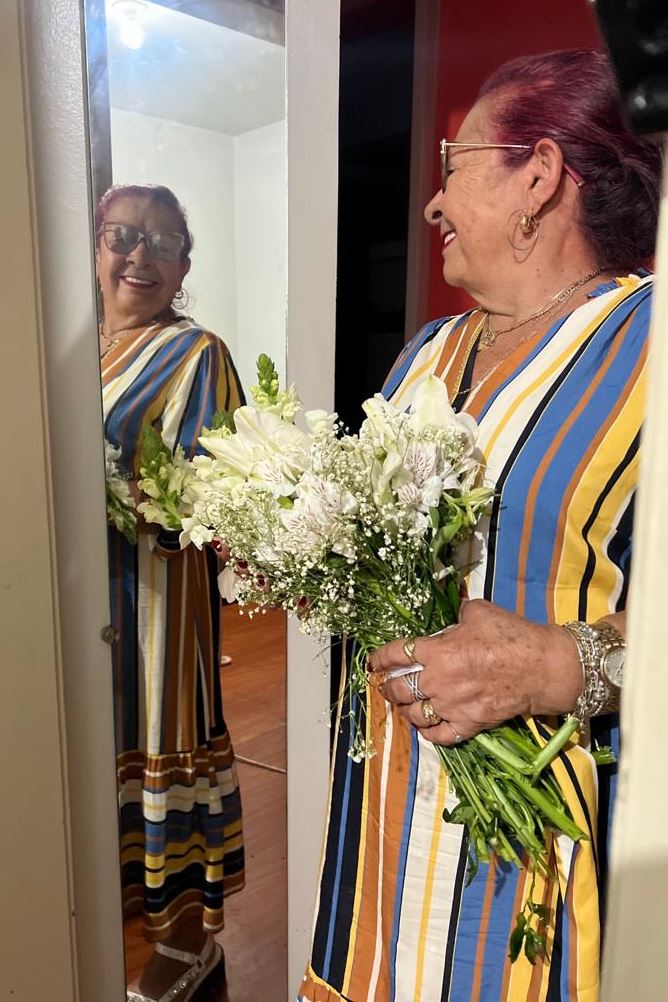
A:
132,282
447,240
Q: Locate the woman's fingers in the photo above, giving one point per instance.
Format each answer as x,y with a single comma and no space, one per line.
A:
446,732
404,689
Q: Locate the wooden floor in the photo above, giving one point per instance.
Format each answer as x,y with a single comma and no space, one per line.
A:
255,934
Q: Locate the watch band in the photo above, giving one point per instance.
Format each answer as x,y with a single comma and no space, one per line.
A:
598,695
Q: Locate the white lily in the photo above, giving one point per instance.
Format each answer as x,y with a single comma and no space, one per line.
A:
194,532
260,436
431,408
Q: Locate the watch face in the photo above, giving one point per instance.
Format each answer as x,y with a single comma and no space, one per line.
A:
613,666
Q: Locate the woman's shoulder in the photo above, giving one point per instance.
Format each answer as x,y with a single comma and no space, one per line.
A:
434,331
197,336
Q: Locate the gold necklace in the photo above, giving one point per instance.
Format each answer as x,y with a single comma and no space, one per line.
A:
488,336
112,342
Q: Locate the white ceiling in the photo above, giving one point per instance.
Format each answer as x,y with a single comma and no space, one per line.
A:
192,71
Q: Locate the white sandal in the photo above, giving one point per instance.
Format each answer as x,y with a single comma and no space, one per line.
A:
200,966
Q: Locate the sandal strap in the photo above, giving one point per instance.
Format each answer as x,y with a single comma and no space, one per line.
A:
173,954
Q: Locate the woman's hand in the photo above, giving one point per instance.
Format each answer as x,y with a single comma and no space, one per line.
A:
489,668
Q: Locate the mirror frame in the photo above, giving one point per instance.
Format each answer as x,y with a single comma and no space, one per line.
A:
55,89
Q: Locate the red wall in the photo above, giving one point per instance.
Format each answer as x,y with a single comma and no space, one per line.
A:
476,36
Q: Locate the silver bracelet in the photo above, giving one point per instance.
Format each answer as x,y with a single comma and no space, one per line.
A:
598,695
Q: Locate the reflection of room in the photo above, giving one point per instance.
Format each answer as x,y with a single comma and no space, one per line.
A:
200,107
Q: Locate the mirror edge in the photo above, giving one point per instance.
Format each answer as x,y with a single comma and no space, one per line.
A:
312,80
57,108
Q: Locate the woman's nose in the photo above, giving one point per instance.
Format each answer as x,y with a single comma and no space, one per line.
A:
140,254
433,211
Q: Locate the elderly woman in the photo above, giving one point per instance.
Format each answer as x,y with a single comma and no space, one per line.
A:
181,844
547,213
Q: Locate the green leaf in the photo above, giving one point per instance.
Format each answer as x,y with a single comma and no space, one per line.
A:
530,950
435,517
223,419
286,503
542,911
154,452
603,755
517,938
534,945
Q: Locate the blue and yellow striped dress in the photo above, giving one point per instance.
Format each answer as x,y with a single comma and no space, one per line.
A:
560,424
180,811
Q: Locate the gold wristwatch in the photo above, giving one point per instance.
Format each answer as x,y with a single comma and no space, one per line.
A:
602,651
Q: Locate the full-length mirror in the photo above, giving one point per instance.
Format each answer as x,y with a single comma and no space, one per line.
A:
187,120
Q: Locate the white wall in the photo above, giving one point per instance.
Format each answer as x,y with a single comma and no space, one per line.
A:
260,207
234,191
198,165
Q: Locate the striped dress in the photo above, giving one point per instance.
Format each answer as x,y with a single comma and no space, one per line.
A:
180,811
560,422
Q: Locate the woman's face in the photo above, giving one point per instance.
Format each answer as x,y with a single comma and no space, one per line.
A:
136,288
474,213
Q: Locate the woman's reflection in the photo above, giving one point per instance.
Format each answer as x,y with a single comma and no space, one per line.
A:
181,842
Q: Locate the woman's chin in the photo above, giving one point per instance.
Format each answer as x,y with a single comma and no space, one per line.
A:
453,276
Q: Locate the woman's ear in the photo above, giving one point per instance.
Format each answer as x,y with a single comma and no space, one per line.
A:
185,264
545,172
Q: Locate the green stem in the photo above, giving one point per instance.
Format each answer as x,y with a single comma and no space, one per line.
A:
559,818
456,768
495,748
554,745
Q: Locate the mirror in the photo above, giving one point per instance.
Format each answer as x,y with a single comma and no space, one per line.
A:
189,96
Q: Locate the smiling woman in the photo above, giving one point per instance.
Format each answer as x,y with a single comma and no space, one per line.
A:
143,255
180,815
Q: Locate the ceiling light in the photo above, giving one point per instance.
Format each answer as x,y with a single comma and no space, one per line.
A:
131,15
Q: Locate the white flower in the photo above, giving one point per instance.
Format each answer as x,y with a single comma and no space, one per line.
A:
431,409
318,421
194,532
228,584
315,523
261,438
153,513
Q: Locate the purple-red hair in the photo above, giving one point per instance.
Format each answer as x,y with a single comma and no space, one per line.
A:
571,97
154,192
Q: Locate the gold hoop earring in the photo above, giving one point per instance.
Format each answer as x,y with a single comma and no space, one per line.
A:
528,223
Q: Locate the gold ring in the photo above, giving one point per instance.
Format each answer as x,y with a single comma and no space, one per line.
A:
429,713
409,648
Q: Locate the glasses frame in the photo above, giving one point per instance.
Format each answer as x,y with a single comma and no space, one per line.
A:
446,144
108,224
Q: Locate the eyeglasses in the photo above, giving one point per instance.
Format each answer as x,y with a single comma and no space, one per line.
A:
445,146
121,238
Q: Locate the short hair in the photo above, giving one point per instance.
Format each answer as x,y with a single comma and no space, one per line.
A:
156,193
571,97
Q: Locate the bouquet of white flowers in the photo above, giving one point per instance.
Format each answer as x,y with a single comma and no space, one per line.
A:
352,532
357,535
120,502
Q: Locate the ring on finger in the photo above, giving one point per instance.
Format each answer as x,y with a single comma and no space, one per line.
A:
409,648
458,737
413,687
429,713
